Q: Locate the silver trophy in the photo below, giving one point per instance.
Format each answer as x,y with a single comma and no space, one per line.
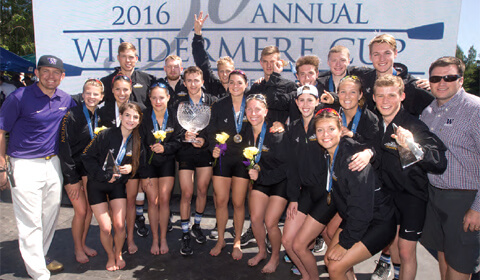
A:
110,164
411,155
193,117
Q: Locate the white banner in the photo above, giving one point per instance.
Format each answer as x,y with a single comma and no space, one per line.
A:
87,33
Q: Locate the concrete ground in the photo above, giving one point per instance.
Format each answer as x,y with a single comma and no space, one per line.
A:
171,266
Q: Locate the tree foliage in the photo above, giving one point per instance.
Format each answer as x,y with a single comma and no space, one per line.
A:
471,81
16,26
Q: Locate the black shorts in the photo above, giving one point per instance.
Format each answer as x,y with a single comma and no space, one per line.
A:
229,167
200,159
319,210
279,189
102,192
165,169
410,215
379,235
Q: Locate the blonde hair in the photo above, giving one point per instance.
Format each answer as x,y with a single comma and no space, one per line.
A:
174,57
389,81
95,83
224,60
383,38
126,46
339,49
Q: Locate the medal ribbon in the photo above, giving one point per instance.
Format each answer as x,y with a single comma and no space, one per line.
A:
356,119
260,142
199,102
122,151
239,120
91,128
155,122
330,171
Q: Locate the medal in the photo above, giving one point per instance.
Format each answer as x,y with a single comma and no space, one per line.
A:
237,138
257,167
329,198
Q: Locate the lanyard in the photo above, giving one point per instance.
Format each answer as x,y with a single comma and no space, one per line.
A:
155,122
330,171
331,86
356,119
123,151
261,137
394,73
239,120
200,102
89,120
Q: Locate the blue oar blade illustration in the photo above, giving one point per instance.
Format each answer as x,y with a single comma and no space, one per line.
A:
432,31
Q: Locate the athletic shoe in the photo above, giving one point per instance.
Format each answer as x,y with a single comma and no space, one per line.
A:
286,258
382,271
142,229
170,224
53,265
319,244
269,245
295,270
214,233
247,237
186,250
198,234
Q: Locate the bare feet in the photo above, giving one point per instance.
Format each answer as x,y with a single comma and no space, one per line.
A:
120,262
111,264
89,251
258,258
155,250
163,247
81,257
218,248
237,253
132,248
271,266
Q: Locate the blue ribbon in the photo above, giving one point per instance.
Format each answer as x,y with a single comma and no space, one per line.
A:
260,142
239,120
199,102
330,169
394,73
122,151
155,122
356,119
89,121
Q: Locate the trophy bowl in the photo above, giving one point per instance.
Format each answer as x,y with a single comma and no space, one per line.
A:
193,117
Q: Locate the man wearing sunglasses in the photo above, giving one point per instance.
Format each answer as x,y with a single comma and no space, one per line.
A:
452,223
141,81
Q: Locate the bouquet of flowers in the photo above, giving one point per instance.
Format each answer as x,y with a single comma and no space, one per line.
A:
98,129
159,137
221,139
250,153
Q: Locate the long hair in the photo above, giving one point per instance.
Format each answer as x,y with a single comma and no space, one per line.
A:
137,142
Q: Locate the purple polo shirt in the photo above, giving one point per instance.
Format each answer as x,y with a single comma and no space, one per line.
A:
33,120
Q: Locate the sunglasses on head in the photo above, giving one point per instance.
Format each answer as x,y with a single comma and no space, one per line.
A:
257,96
353,77
446,78
123,77
158,84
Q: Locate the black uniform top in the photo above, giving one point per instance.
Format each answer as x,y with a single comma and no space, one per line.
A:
223,120
367,133
274,158
279,95
412,179
325,77
416,99
179,87
307,166
107,115
213,85
188,149
295,113
171,143
74,137
355,195
141,83
96,152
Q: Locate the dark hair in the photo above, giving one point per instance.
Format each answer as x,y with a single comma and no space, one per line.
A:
160,85
358,82
192,70
135,135
238,72
328,113
447,61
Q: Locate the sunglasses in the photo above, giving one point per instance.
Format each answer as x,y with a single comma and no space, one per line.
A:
446,78
353,77
158,84
123,77
257,96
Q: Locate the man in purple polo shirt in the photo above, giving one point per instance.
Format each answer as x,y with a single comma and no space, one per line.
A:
32,116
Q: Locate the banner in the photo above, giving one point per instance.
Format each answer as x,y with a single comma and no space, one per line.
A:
87,33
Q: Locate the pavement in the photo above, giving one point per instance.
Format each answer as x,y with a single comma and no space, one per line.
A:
171,266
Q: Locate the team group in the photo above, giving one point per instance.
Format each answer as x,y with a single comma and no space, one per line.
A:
369,159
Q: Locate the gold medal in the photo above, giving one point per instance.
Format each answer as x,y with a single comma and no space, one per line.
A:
329,198
237,138
257,167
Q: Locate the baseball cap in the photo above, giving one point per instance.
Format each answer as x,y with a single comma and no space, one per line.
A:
50,61
307,89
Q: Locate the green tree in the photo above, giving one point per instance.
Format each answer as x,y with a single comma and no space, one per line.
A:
16,26
471,81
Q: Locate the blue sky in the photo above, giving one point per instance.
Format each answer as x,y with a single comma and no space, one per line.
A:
469,28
